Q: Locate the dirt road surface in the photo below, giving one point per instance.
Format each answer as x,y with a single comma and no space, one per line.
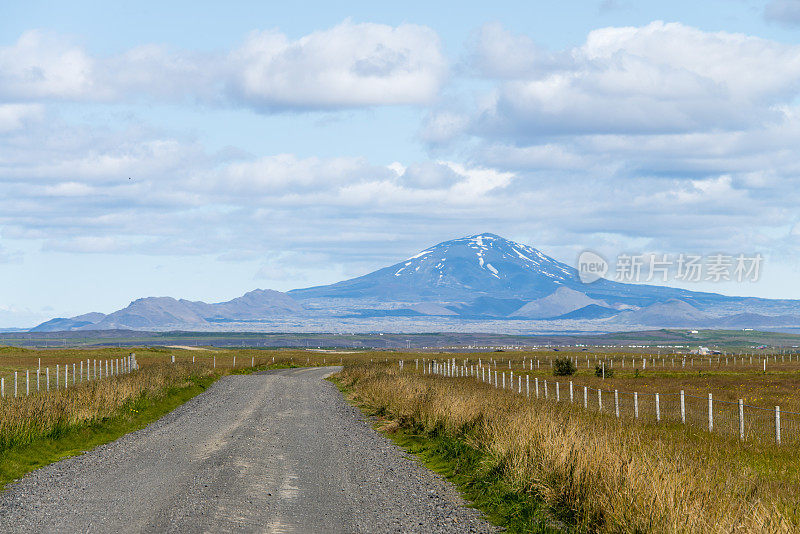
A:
275,452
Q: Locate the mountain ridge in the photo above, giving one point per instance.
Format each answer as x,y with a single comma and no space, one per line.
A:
481,281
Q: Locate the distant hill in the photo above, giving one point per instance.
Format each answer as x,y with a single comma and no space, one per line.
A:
671,313
561,301
167,312
482,282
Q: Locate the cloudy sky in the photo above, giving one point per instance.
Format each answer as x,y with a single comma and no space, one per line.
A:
201,150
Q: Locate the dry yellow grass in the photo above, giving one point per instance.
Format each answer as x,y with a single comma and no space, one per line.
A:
24,419
594,471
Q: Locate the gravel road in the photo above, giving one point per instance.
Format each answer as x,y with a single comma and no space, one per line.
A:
275,452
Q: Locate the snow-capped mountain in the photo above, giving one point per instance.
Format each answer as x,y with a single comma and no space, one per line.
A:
484,265
482,281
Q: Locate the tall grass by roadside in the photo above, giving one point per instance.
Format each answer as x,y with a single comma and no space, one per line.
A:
25,419
594,472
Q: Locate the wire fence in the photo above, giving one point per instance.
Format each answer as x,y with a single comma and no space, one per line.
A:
735,419
63,376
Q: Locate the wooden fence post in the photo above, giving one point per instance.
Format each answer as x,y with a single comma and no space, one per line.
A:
537,387
616,403
585,398
636,405
778,425
570,392
599,400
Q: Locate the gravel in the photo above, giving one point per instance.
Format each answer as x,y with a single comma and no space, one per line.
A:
276,452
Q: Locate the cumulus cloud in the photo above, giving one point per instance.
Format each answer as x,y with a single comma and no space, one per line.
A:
346,66
14,116
658,78
349,65
495,52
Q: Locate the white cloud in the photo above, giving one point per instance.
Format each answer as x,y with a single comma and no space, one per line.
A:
496,53
349,65
14,116
43,65
346,66
658,78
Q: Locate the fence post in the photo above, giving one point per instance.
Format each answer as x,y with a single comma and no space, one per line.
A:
558,393
215,362
15,383
683,408
710,413
599,400
778,425
58,376
73,374
545,390
636,405
537,387
585,398
47,378
2,387
504,380
528,386
37,380
616,403
519,384
570,392
27,382
66,375
741,420
658,408
234,361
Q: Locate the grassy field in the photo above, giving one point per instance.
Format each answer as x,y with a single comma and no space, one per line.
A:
532,464
590,470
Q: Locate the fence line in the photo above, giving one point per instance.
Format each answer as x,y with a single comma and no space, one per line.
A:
737,419
113,367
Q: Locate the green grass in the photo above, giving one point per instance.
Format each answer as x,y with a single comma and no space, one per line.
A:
479,479
477,476
19,460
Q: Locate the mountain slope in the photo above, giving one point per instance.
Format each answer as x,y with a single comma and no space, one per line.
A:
61,324
671,313
482,281
486,265
167,312
562,300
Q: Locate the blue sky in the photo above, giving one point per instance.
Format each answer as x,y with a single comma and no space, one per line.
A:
201,150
